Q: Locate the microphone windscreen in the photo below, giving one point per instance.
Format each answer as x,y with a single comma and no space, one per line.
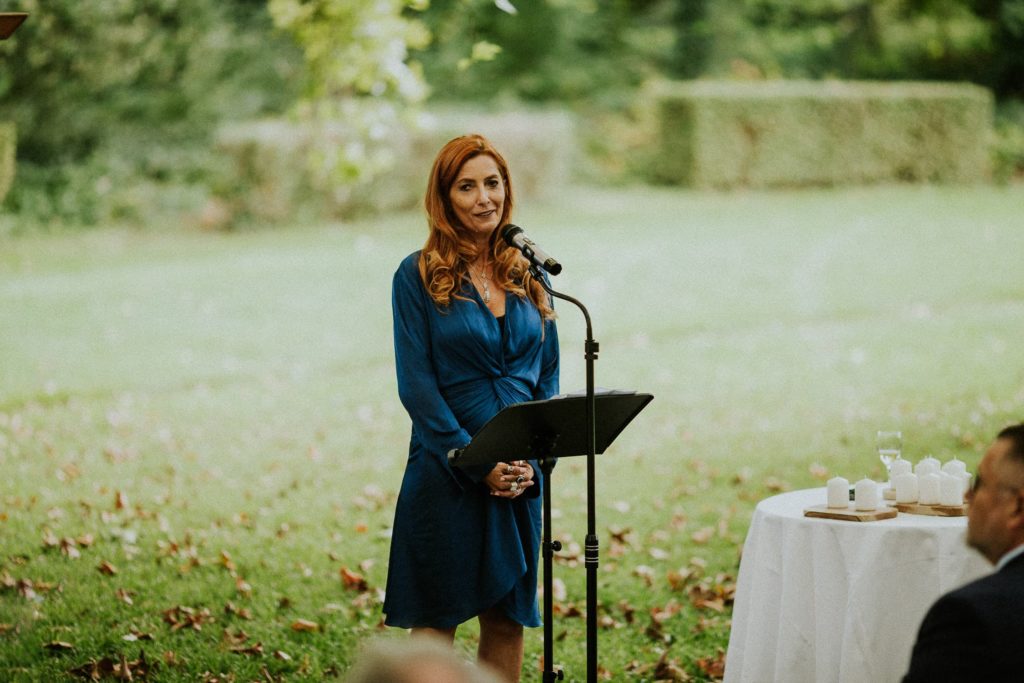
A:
509,232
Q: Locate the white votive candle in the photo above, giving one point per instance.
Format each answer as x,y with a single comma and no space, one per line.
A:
965,479
900,466
865,495
928,489
838,493
927,465
906,487
951,490
955,467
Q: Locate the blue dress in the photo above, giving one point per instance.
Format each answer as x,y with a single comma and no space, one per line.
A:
455,549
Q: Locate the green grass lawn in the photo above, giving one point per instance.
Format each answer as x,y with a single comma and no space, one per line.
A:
210,422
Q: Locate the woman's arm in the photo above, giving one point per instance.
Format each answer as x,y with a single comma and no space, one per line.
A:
433,420
547,385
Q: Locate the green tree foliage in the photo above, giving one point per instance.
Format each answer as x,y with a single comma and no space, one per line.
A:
972,40
78,73
565,50
125,90
358,76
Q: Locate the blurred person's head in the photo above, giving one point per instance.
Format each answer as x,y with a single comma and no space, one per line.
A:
995,515
414,660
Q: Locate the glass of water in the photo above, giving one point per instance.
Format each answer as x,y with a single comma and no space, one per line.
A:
890,446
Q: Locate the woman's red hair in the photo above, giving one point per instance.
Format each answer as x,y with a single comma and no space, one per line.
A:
444,261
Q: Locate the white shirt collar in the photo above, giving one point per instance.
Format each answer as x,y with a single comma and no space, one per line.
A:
1008,557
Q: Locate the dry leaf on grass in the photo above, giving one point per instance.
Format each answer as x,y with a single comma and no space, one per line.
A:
187,617
305,625
241,613
119,669
353,581
135,634
713,667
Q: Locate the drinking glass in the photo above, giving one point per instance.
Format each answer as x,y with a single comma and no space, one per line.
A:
890,446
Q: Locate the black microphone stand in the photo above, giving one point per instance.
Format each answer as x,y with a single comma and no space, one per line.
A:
591,552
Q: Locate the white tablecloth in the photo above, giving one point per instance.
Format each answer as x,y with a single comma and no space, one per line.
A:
822,600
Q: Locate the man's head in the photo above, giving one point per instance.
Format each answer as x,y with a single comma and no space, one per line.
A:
421,659
995,518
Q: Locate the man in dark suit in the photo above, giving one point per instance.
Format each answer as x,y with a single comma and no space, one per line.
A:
976,633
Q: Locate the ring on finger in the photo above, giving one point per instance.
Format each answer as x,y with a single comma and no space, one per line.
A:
513,487
508,469
520,479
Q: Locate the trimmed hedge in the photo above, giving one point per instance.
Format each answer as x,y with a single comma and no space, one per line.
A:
796,133
8,144
271,172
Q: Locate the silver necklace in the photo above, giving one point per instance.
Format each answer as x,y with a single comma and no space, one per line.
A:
485,281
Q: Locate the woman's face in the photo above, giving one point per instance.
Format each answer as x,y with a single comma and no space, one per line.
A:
478,196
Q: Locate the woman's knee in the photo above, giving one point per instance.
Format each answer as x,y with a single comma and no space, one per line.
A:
495,622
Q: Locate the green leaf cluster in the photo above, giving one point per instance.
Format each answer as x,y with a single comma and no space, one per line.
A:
111,94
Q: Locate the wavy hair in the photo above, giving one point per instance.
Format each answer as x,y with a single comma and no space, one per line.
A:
445,258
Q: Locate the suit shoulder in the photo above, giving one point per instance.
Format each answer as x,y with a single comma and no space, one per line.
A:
993,598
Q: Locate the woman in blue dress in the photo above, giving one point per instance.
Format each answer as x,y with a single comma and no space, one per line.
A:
474,332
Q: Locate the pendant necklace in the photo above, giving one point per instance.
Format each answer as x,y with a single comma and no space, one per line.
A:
484,280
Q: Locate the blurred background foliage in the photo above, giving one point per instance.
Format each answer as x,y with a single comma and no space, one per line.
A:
119,106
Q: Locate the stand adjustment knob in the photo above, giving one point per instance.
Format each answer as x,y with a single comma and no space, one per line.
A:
556,545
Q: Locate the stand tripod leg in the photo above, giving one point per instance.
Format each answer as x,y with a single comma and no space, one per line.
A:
549,549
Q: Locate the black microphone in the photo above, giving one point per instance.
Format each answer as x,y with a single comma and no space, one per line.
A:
516,238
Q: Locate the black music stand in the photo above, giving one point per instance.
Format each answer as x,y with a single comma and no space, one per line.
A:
9,22
547,430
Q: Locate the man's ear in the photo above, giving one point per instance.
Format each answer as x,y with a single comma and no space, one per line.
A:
1016,520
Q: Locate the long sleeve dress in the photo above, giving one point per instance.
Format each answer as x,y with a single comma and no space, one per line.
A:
455,549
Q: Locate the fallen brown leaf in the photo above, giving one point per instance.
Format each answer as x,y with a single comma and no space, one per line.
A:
69,547
352,580
227,562
677,581
670,670
251,650
305,625
646,573
241,613
663,614
135,634
107,568
628,611
702,536
243,587
713,667
186,617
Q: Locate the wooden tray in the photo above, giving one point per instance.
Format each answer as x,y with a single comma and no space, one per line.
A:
850,514
934,510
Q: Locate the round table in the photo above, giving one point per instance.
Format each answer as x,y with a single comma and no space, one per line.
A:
821,600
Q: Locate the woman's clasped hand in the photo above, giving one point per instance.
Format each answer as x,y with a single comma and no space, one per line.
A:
509,480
